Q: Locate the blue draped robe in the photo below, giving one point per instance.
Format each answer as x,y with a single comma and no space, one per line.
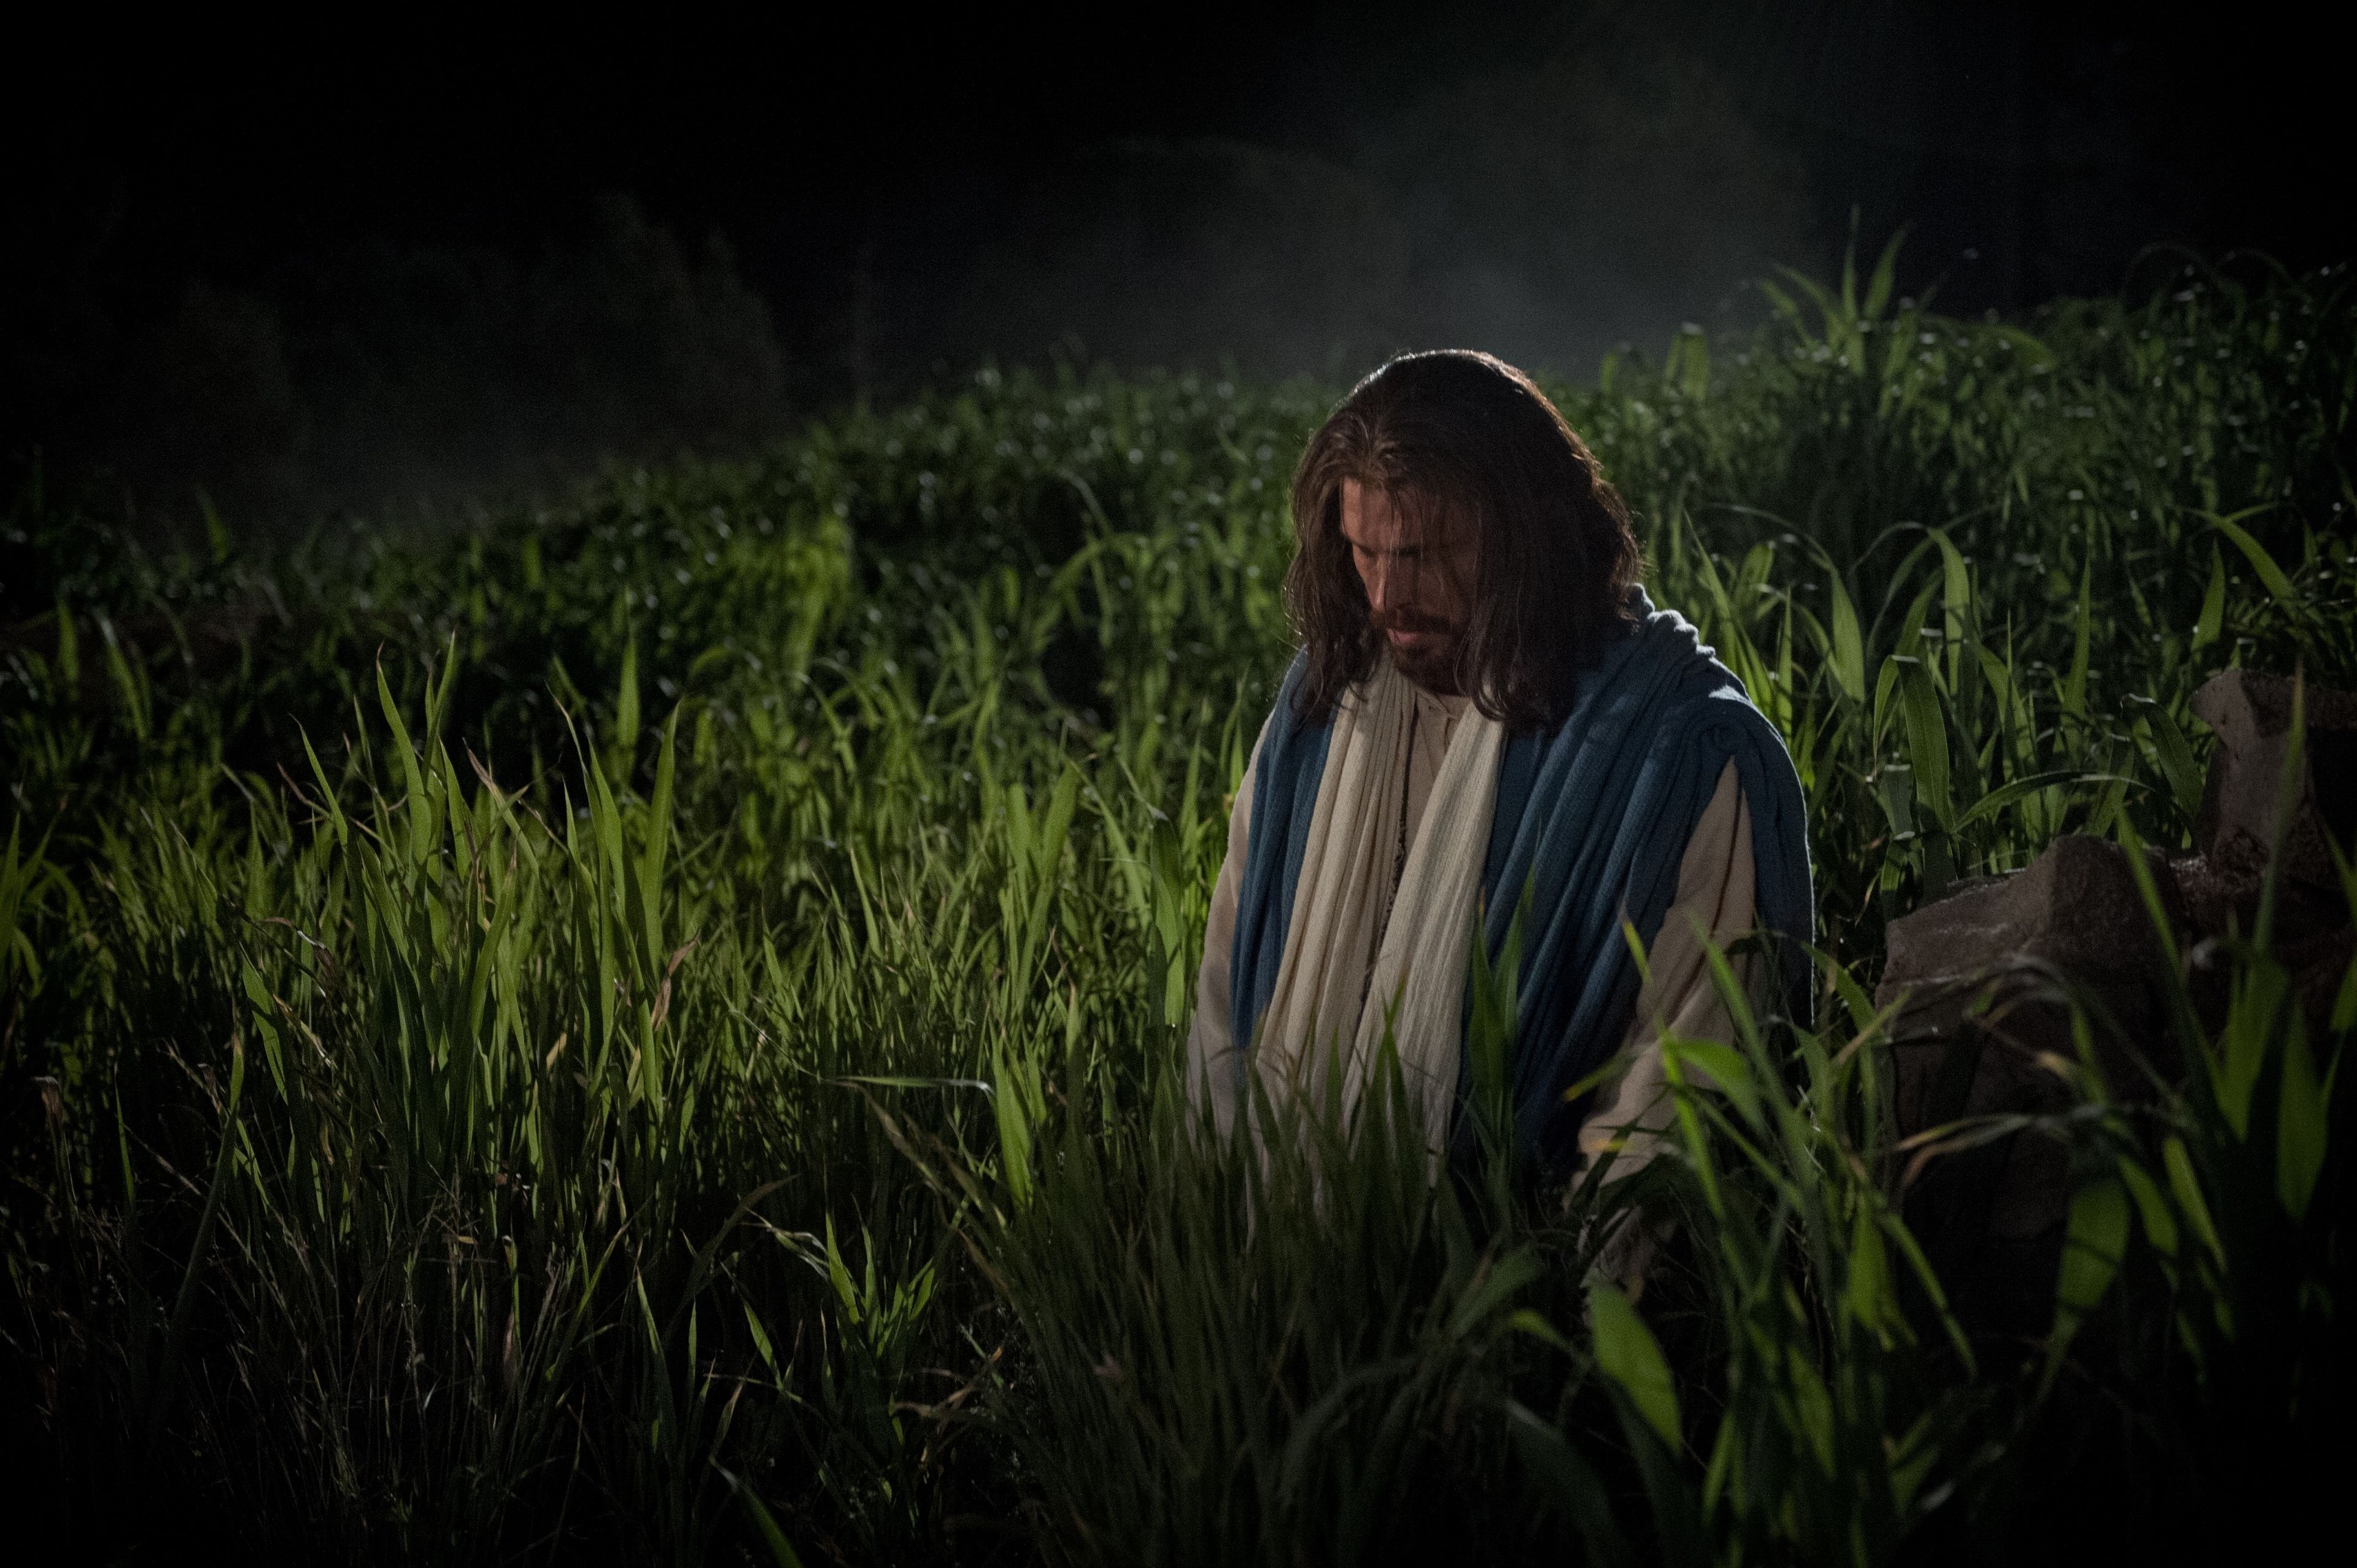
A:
1592,817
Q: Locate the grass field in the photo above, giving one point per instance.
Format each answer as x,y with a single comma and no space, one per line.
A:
643,1029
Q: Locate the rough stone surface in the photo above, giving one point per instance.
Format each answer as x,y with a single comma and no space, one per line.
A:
1999,959
1987,976
2311,936
2223,878
2077,907
2251,715
1986,972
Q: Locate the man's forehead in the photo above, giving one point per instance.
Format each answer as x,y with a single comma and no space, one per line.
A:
1375,516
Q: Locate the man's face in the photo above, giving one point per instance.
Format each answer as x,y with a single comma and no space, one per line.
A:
1418,575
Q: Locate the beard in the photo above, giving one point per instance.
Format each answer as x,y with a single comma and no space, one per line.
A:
1429,658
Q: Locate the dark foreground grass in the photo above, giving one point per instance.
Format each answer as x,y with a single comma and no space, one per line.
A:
643,1030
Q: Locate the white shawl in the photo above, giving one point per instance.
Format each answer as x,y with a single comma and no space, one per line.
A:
1339,909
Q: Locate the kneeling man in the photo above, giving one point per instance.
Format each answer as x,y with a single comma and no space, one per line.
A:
1486,706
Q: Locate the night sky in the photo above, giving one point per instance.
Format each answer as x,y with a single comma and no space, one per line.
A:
316,269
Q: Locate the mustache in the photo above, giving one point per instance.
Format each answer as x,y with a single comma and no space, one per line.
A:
1409,620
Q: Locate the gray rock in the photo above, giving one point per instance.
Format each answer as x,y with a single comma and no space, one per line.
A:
1985,979
2076,907
1988,977
1997,966
2251,714
2222,880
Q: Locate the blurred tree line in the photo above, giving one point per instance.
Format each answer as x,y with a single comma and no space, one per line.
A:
378,373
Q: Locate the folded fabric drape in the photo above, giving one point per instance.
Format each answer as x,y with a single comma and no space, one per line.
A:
1591,817
1337,990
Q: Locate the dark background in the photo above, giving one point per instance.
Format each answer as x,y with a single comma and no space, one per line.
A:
315,271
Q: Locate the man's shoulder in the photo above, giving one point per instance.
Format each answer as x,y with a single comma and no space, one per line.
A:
1288,741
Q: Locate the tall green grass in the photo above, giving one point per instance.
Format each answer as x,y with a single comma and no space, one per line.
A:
646,1029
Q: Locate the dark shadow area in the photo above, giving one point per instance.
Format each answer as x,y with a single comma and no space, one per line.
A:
350,273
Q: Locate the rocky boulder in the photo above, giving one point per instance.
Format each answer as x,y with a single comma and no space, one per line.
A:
2241,800
1989,976
2251,715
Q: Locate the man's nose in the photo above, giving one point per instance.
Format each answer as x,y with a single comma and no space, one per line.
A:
1389,586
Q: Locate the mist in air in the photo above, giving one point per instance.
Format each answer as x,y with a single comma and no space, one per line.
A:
404,322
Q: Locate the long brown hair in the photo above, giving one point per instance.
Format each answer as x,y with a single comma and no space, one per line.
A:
1463,438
